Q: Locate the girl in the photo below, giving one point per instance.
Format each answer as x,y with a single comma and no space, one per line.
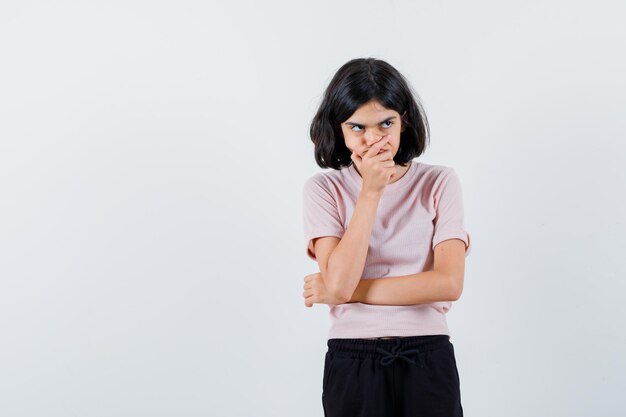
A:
388,234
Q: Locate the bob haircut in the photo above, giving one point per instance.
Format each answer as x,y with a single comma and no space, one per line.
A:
357,82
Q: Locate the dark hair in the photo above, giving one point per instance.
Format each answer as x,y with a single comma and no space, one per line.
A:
354,84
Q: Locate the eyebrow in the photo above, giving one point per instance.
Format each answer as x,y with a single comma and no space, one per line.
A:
360,125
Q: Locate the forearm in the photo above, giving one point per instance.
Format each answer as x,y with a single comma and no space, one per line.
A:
346,262
421,288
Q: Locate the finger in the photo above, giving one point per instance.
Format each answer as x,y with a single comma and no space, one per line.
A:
386,147
383,155
374,142
373,150
359,151
310,300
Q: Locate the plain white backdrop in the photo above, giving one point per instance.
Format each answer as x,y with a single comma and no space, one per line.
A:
152,157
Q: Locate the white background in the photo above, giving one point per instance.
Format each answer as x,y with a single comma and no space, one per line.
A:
152,157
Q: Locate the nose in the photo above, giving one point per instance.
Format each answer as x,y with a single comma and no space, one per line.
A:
372,136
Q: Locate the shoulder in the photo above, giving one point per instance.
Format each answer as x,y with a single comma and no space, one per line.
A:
316,179
315,184
329,181
434,174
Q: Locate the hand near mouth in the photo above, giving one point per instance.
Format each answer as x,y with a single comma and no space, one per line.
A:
375,164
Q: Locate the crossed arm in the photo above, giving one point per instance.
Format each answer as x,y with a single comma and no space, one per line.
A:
443,283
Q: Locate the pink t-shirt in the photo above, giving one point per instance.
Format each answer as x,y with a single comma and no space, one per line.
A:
415,213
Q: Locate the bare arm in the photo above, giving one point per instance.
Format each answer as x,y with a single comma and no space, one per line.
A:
443,283
347,260
342,262
423,287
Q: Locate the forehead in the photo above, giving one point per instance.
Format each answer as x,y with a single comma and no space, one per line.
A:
371,110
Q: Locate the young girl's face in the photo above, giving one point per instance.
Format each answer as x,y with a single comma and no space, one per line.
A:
368,124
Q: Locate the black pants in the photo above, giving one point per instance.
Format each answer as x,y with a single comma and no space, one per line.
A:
412,376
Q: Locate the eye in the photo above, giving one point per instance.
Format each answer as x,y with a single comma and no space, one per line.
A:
388,122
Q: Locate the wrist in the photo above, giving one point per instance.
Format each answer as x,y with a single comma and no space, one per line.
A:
370,194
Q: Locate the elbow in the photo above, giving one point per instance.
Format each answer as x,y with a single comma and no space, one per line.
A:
336,285
339,294
342,298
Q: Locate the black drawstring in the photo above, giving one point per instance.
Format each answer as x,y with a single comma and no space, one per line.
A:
391,356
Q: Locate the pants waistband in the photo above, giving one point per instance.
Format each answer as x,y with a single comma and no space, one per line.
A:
387,350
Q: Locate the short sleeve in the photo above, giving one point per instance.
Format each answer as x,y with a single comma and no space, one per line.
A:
449,218
319,212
